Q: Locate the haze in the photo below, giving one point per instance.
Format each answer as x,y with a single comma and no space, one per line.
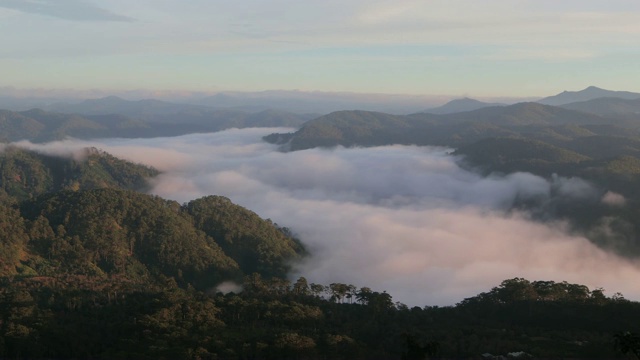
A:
402,219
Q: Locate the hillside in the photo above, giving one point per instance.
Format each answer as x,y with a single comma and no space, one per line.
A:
350,128
607,106
115,232
361,128
79,216
38,125
524,114
515,154
25,174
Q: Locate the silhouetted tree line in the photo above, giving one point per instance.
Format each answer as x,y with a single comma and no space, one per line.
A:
75,316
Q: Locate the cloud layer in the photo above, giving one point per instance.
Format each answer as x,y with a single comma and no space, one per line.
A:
403,219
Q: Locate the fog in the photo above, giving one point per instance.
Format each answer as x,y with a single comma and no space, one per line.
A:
404,219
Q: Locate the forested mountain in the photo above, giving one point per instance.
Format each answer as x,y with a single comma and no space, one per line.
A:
41,126
257,246
362,128
607,106
27,174
351,128
522,114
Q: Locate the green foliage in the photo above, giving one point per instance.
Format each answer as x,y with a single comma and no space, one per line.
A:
13,239
108,231
256,245
26,174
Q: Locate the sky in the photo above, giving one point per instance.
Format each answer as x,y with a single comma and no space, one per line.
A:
486,48
402,219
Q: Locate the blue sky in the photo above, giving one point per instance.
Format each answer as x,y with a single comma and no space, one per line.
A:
438,47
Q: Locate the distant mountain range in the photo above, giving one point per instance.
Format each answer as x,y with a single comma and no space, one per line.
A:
304,102
590,93
349,128
115,105
40,126
460,105
454,123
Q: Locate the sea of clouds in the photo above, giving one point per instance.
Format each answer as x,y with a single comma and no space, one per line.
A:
404,219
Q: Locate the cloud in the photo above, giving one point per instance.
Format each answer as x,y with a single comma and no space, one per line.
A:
227,287
613,199
403,219
75,10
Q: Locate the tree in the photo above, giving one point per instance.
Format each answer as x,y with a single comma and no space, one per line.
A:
338,291
317,289
516,289
301,287
364,295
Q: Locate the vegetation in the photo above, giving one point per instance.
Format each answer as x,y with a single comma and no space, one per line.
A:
257,245
88,317
26,174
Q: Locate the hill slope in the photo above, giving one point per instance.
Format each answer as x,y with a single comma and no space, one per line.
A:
42,126
138,237
607,106
361,128
26,174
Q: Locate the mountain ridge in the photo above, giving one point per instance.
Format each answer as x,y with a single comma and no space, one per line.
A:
589,93
460,105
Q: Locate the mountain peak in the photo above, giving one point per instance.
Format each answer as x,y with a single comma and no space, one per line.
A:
460,105
589,93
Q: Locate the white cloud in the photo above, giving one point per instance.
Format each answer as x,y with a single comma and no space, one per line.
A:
403,219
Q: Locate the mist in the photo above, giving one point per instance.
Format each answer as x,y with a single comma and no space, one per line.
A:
404,219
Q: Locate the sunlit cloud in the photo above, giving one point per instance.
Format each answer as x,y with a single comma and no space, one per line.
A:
403,219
